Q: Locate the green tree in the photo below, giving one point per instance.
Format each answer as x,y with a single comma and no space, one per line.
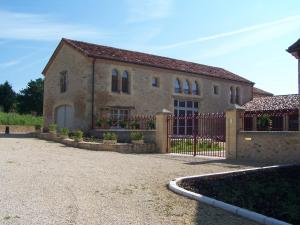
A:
30,99
7,97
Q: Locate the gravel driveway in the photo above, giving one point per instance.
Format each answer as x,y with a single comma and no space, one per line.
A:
43,182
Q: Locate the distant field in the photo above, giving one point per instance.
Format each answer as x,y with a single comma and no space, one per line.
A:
17,119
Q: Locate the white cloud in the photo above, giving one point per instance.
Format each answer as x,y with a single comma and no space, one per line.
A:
249,29
9,63
145,10
26,26
252,38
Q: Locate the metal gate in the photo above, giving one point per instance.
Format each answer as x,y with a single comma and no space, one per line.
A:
202,134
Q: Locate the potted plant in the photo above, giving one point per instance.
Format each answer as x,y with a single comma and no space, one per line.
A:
38,128
52,129
78,136
122,124
264,122
151,125
135,125
64,133
137,138
109,138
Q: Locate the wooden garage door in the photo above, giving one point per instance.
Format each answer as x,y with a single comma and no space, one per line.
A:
64,116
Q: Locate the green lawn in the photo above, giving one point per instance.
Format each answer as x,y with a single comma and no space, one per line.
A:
201,146
17,119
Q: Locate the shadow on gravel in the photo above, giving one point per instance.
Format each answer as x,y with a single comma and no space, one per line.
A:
27,135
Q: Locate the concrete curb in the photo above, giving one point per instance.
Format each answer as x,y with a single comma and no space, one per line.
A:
227,207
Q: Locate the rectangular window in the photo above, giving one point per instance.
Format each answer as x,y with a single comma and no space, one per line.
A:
155,82
216,89
63,81
185,125
118,115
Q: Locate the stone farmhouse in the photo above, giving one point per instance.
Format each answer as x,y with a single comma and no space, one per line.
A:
84,82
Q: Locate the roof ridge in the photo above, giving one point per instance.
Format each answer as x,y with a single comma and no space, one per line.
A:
147,59
150,54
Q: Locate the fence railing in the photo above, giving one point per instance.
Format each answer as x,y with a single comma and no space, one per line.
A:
202,134
287,120
139,122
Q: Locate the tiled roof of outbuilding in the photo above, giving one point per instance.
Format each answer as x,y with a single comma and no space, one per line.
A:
104,52
273,103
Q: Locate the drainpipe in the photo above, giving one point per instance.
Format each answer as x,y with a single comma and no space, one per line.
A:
93,90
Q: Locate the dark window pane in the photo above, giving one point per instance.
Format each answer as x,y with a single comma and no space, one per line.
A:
114,81
175,103
196,105
181,103
125,82
155,82
189,104
186,87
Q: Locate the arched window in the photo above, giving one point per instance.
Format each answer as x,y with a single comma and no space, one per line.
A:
177,87
63,81
195,88
125,82
231,95
114,81
186,87
237,95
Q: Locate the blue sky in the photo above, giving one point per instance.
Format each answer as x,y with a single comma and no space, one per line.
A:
247,37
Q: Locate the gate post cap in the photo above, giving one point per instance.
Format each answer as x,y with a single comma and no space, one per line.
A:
235,107
164,112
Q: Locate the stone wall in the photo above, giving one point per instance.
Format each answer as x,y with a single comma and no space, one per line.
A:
279,147
119,147
15,129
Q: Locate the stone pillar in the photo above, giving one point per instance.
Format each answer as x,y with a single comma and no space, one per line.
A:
161,131
254,123
285,122
233,126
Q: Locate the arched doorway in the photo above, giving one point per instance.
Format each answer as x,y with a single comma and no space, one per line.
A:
64,116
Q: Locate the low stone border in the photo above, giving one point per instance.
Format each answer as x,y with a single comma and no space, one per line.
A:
17,128
119,147
219,204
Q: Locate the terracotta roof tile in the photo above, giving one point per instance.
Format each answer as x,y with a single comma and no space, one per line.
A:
104,52
277,102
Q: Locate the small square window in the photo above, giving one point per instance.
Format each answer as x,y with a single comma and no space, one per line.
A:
155,82
216,89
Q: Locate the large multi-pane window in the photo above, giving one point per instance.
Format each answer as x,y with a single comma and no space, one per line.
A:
125,82
114,81
118,115
63,81
184,122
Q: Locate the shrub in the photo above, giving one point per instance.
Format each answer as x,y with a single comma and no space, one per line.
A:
264,121
122,124
137,136
99,122
64,132
17,119
38,127
151,124
109,136
135,125
78,135
52,128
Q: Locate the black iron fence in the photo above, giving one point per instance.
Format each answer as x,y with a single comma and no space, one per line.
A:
202,134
